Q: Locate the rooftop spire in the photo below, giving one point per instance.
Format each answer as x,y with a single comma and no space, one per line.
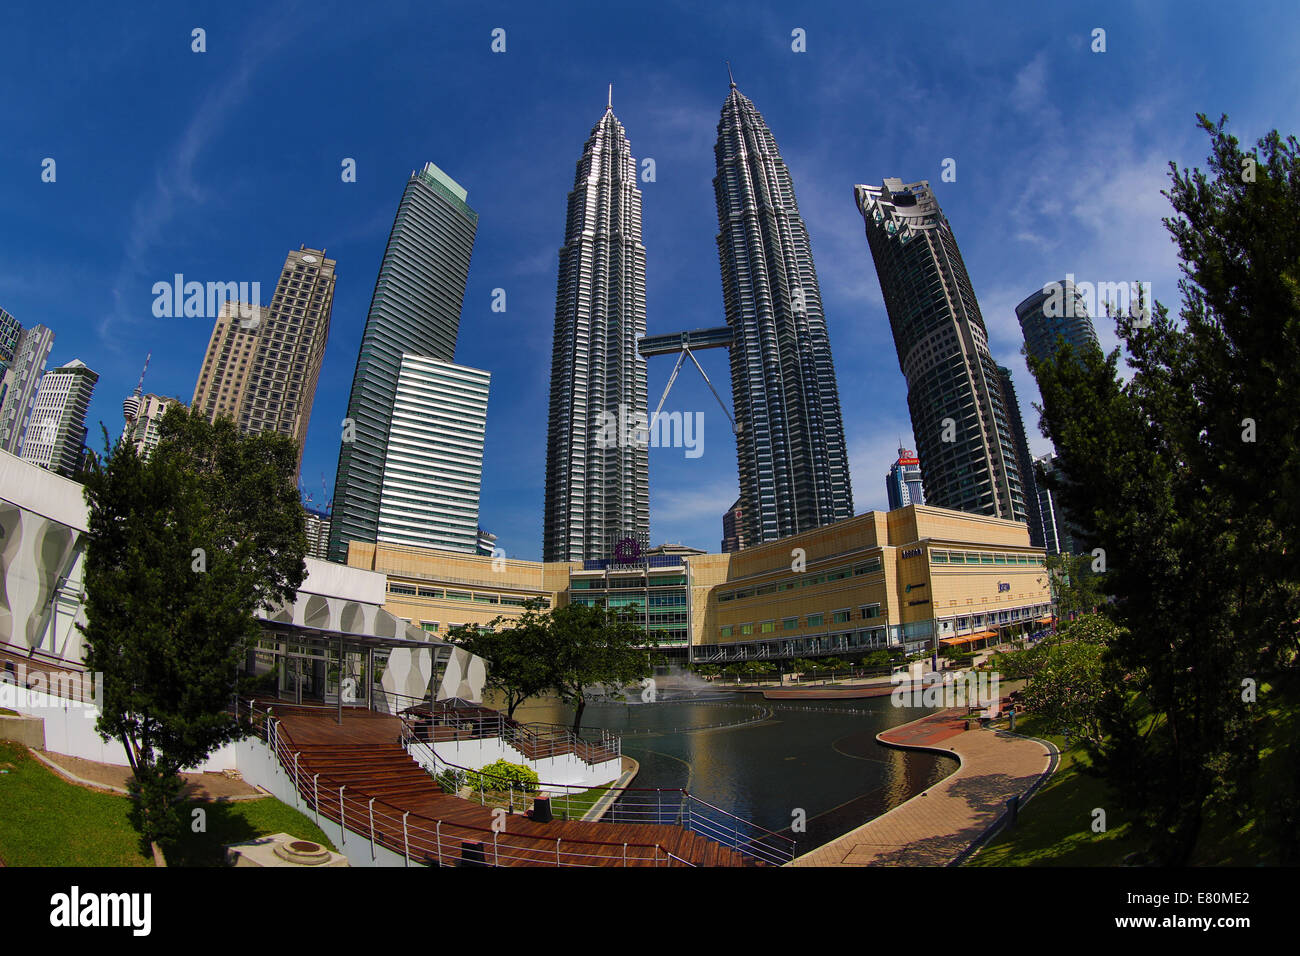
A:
609,104
729,76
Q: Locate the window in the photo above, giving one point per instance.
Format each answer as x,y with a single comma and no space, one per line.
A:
869,611
840,617
939,557
747,629
790,624
815,620
767,627
726,631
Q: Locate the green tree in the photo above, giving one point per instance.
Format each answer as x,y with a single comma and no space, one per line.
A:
1187,476
1077,588
515,651
183,549
591,647
1070,682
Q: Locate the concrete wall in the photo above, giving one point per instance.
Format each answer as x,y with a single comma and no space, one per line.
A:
25,730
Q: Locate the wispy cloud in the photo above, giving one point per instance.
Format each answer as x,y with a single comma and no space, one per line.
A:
176,189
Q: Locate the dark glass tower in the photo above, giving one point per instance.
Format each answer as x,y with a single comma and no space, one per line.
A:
1024,463
415,308
794,472
1057,309
597,463
962,427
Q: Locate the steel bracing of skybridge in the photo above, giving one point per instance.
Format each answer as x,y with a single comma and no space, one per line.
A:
683,344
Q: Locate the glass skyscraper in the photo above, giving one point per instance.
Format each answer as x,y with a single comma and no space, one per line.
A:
904,485
597,463
1024,463
415,309
962,427
1057,309
794,473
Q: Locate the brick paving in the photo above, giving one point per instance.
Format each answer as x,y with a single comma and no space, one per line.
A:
935,827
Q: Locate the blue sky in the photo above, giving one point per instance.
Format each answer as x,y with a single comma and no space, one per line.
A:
215,164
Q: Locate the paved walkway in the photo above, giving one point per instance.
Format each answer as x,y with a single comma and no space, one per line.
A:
936,827
104,776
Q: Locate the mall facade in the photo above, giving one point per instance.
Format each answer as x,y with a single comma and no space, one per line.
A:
904,579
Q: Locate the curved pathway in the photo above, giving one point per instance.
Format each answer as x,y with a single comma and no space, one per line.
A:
939,826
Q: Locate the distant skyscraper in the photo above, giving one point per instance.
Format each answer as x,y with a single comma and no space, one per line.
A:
903,483
733,528
263,363
142,414
56,433
1024,462
597,481
415,309
794,472
487,542
962,428
291,348
318,533
22,377
433,466
1059,536
1057,309
228,364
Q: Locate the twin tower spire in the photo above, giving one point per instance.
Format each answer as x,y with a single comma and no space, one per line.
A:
790,448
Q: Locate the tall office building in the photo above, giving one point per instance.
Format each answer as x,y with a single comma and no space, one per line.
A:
597,480
433,465
263,362
317,524
22,377
414,309
228,364
733,528
794,472
1057,309
1024,461
903,484
56,433
961,424
143,414
1059,534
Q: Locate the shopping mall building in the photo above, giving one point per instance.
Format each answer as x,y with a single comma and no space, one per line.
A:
900,579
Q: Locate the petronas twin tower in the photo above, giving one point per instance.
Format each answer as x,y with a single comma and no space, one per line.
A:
790,446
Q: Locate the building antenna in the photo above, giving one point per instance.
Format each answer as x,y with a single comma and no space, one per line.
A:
139,386
609,104
729,76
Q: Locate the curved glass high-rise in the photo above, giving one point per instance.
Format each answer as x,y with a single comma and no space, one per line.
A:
415,308
1056,310
964,433
794,472
597,462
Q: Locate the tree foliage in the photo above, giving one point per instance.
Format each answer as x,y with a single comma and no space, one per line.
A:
1188,477
517,651
183,549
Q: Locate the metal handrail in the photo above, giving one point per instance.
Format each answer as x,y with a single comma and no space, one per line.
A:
336,809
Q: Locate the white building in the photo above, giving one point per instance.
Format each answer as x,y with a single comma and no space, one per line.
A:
56,431
142,414
433,466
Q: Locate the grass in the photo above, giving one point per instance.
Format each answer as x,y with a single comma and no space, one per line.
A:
1055,827
6,712
47,821
572,806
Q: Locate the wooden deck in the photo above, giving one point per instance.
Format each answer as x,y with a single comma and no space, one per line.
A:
365,756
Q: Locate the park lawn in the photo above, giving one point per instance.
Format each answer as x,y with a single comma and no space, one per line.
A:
573,806
1055,827
47,821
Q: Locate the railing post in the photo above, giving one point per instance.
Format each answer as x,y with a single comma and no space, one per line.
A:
496,856
343,830
372,828
656,854
625,854
406,841
557,852
295,778
315,786
438,836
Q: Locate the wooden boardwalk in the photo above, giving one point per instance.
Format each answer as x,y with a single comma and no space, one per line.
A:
364,755
936,827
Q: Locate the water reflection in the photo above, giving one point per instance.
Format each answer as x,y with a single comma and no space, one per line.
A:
769,759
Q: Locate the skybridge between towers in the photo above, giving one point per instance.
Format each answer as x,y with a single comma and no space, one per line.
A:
683,345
